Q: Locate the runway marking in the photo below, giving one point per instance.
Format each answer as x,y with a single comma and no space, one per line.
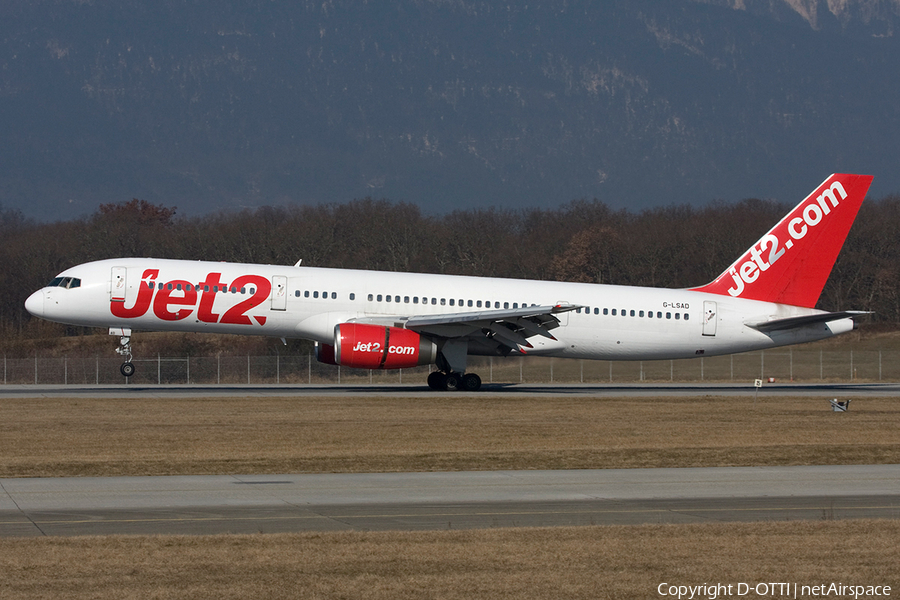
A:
453,514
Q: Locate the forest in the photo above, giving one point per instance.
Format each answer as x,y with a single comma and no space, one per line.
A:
585,240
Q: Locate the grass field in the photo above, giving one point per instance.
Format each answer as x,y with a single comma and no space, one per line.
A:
152,436
571,563
70,437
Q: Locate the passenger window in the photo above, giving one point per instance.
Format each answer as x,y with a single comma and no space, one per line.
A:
506,305
677,316
596,311
434,301
668,315
614,312
243,290
632,313
469,303
315,294
443,302
387,298
605,311
515,305
478,304
452,302
379,297
659,314
371,297
686,316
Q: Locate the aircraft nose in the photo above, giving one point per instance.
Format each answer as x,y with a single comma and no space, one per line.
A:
35,303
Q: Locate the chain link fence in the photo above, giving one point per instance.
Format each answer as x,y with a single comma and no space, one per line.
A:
779,365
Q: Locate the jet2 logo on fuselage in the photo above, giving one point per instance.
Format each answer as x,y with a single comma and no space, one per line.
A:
176,300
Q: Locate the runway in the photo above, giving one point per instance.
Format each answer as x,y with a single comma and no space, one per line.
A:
456,500
637,390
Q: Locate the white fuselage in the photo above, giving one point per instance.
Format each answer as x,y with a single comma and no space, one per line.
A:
616,322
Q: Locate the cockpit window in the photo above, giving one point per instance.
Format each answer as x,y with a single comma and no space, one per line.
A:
65,282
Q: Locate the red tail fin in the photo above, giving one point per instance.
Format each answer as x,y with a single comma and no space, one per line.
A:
791,263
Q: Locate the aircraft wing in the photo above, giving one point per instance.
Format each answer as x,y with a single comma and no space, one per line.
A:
792,322
508,327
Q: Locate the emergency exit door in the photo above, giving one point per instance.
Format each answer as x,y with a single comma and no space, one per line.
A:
119,284
710,318
279,292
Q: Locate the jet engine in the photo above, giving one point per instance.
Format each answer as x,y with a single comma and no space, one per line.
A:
364,346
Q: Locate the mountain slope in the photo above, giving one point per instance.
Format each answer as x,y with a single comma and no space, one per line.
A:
444,104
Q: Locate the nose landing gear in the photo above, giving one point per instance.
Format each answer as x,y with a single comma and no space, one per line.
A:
124,350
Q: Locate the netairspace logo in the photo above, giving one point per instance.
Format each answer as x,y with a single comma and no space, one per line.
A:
712,591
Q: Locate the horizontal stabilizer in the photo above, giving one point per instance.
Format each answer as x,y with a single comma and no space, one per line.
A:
793,322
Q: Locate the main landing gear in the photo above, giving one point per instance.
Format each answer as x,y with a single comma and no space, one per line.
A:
124,350
468,382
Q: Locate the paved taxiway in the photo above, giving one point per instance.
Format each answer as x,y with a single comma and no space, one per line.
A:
412,501
642,390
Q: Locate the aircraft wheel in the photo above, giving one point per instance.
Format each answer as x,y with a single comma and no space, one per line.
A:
453,382
437,381
471,382
127,369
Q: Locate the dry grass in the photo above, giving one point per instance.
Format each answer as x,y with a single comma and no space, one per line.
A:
79,437
590,562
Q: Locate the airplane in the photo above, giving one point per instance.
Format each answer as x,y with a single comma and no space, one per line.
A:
388,320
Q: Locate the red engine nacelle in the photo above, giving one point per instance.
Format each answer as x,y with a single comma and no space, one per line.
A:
365,346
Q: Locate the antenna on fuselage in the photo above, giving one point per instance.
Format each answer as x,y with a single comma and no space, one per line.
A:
298,262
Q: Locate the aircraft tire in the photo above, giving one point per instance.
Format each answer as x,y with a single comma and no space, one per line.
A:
453,382
471,382
127,369
437,380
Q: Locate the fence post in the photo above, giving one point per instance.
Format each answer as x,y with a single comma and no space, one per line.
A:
671,370
189,369
732,367
218,368
277,367
97,358
35,368
248,369
158,369
820,365
762,364
879,367
851,365
309,367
